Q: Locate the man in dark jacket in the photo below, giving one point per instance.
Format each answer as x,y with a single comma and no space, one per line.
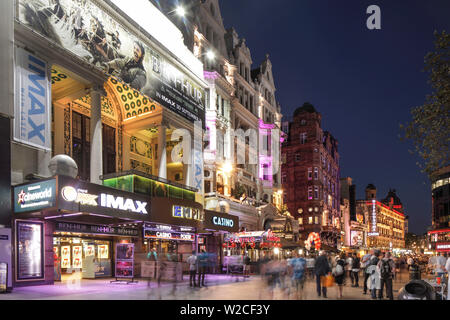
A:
321,268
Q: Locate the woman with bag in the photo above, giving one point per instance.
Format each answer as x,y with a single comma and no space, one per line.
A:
339,274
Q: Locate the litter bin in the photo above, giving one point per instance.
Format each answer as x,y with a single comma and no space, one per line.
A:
414,272
417,290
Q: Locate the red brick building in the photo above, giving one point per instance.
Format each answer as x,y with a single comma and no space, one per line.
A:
310,175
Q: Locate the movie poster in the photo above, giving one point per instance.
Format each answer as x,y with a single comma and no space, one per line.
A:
89,250
29,250
65,257
103,251
77,257
357,238
124,260
84,29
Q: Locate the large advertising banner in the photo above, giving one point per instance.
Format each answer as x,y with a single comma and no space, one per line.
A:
124,260
29,242
356,238
89,32
32,101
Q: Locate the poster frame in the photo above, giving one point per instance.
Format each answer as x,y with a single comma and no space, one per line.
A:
16,245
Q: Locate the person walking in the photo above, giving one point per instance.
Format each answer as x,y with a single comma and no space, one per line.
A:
355,270
447,267
410,262
321,269
297,268
365,264
440,263
387,272
348,267
339,274
310,261
246,266
202,265
373,282
192,261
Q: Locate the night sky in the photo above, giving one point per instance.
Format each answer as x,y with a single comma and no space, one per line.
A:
363,82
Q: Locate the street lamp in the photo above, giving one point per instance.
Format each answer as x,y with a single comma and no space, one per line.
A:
210,55
180,11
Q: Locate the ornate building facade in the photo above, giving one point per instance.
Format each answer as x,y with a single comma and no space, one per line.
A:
310,176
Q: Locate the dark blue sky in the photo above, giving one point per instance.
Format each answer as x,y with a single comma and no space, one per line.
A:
363,82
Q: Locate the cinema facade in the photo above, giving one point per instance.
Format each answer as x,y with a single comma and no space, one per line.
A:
102,83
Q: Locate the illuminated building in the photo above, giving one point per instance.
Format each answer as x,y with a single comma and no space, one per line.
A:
241,166
120,94
310,176
439,235
385,220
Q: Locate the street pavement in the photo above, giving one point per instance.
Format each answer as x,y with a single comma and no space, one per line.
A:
219,287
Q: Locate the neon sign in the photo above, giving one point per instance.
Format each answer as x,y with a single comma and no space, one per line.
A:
187,213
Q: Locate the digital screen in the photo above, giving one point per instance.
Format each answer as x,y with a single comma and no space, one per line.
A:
357,238
29,250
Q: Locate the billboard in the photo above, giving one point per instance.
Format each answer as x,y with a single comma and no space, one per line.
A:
124,260
356,238
32,101
86,30
30,250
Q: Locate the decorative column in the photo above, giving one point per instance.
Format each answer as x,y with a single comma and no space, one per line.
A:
96,135
162,154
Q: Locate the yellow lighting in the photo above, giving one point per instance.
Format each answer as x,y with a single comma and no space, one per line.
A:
210,55
227,167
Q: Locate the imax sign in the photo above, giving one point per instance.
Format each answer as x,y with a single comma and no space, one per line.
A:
82,197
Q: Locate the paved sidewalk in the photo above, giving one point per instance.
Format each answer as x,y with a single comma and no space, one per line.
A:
219,287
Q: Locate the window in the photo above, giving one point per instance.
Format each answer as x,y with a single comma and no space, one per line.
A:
310,195
310,220
316,173
300,220
283,177
303,137
81,147
316,192
109,149
316,220
297,157
303,122
309,173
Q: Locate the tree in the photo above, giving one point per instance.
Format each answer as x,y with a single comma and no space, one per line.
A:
429,129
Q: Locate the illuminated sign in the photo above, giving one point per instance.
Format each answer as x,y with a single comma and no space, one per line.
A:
29,250
81,196
356,238
373,231
443,247
153,234
76,257
65,257
223,222
187,213
94,229
35,196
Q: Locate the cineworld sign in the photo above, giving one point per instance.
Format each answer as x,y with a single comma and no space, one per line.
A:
35,196
70,194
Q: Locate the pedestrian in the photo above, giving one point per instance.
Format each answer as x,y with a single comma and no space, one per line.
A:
339,274
373,282
192,261
440,263
310,261
297,267
321,269
348,267
246,266
365,264
410,262
387,271
202,265
355,270
447,267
